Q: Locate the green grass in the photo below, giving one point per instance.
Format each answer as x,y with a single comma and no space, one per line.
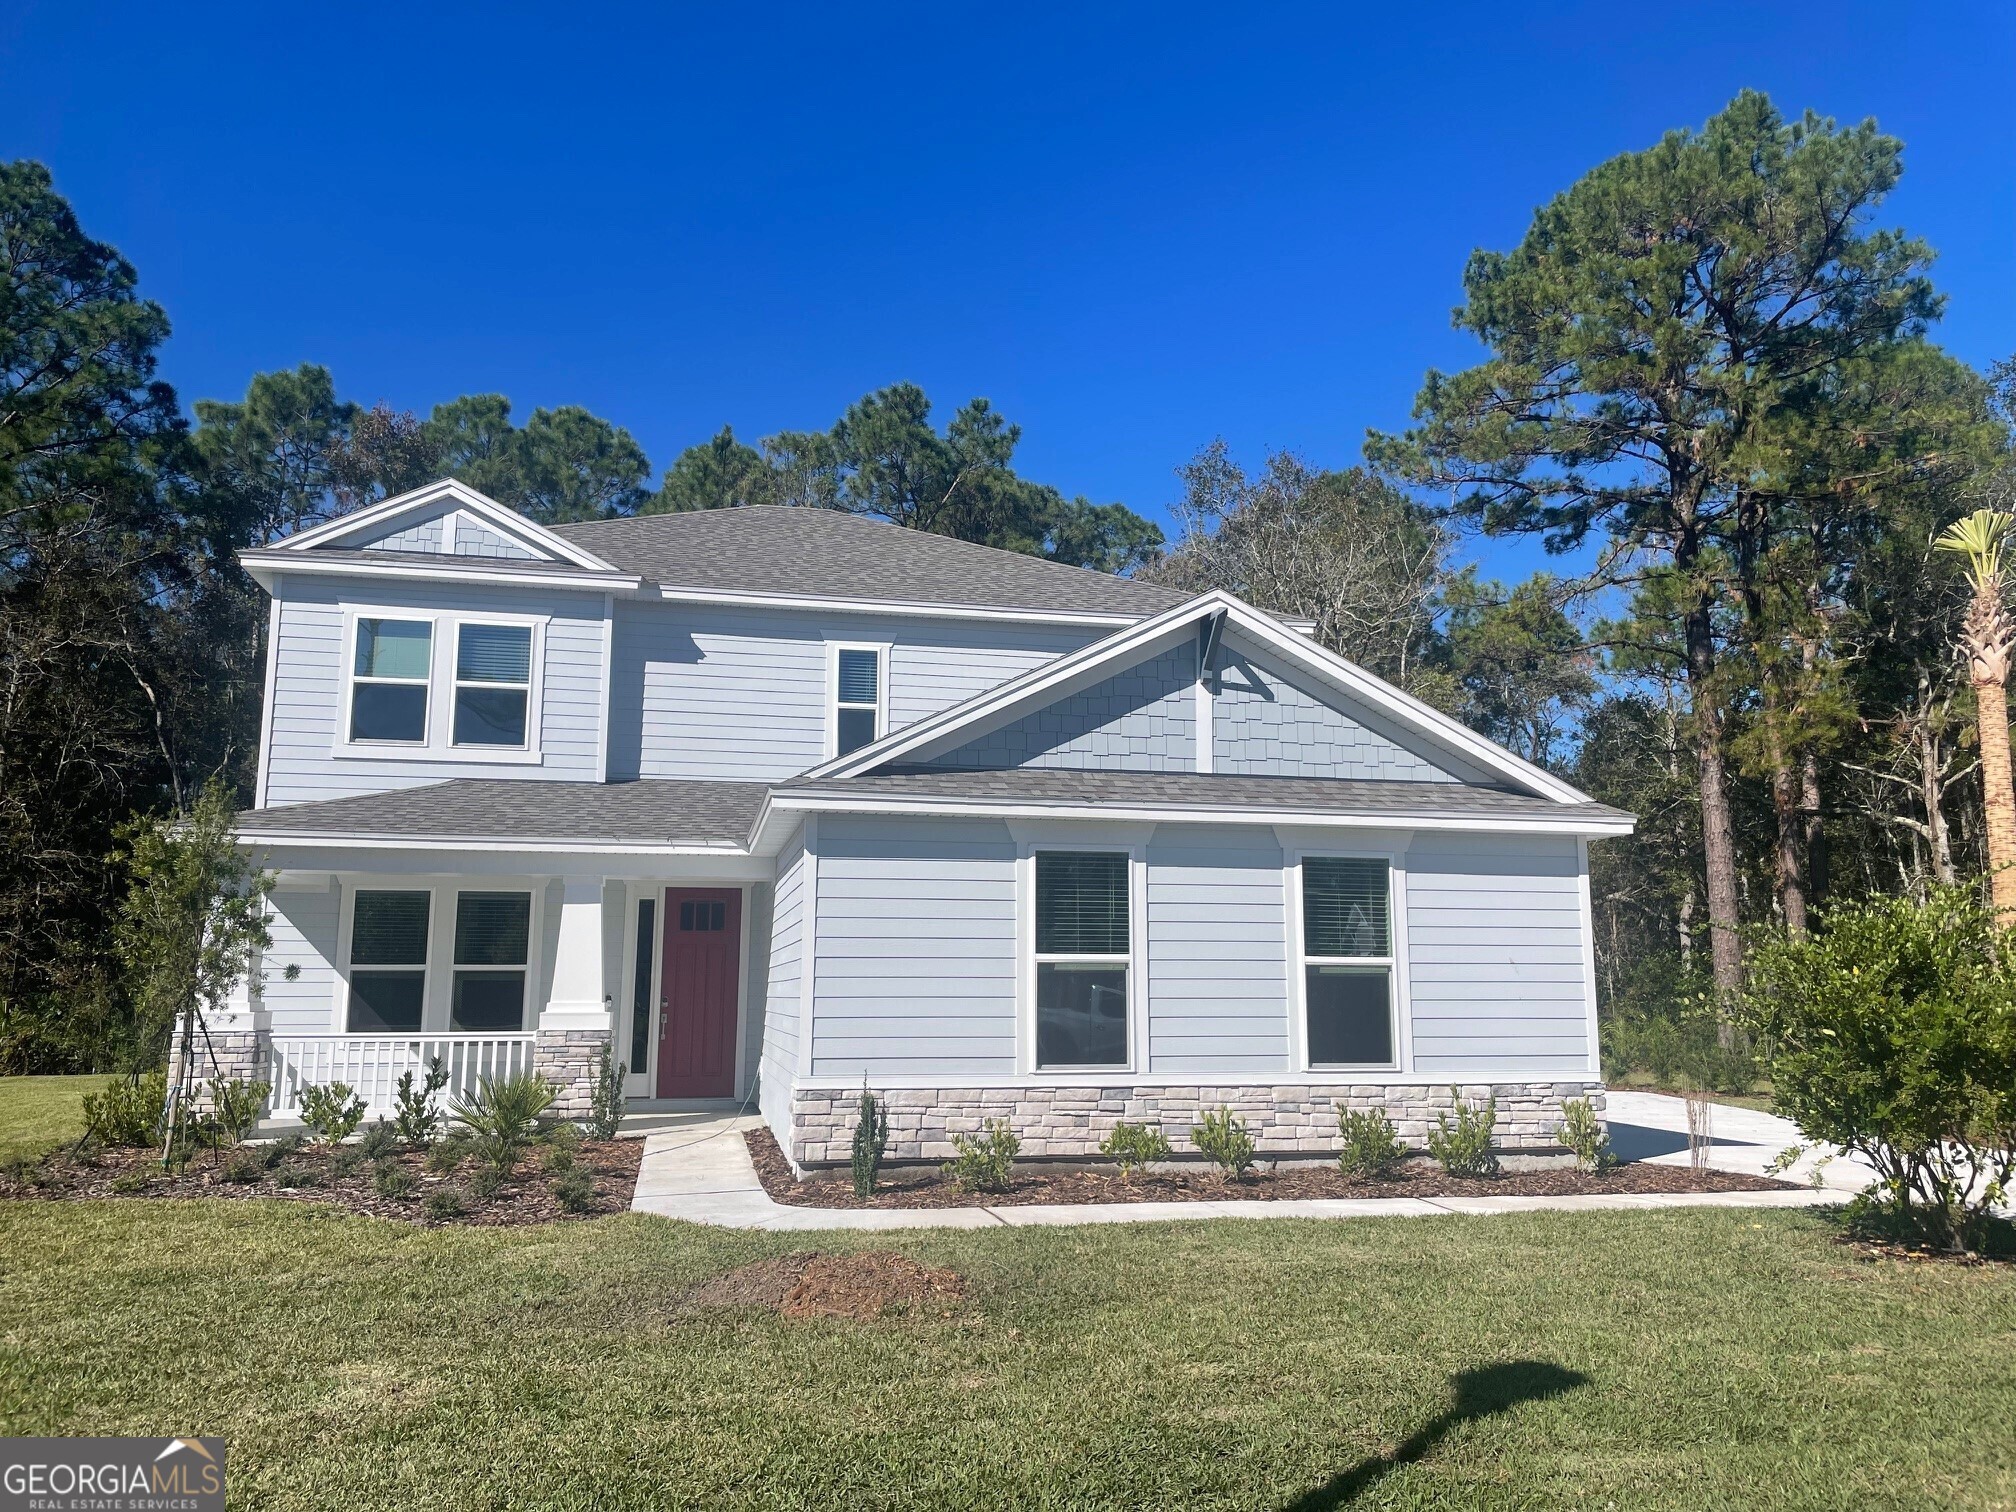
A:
1684,1358
1758,1099
38,1113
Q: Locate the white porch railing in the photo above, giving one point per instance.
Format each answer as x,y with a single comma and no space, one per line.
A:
371,1064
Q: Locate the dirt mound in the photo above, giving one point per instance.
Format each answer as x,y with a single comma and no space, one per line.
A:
807,1284
766,1283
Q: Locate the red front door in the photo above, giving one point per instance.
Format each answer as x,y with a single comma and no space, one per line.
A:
696,1008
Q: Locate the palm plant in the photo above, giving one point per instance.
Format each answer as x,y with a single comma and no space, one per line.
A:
502,1116
1986,638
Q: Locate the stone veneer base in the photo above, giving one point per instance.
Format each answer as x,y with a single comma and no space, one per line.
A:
1072,1121
570,1059
222,1055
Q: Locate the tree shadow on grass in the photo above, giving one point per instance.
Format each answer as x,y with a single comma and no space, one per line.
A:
1480,1393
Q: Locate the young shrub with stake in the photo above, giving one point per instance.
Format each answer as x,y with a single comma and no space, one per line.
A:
1583,1132
871,1138
332,1113
983,1161
1462,1145
1133,1146
502,1116
605,1102
1371,1146
1226,1142
416,1115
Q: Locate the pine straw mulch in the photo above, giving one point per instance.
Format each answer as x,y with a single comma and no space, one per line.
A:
808,1284
925,1187
336,1177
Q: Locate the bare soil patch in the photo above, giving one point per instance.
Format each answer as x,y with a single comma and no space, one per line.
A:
337,1177
925,1187
809,1284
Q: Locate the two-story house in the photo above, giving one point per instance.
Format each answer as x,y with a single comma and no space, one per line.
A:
778,802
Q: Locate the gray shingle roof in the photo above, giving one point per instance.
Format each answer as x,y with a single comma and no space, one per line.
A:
821,553
478,808
1327,795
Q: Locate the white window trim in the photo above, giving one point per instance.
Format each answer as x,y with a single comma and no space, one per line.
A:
636,1083
833,650
439,746
1134,847
437,995
1399,993
353,625
456,684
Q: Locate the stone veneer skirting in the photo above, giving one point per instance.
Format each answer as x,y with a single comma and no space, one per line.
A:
224,1055
1071,1121
570,1059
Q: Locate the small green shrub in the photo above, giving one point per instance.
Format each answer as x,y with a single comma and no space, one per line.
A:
332,1113
416,1115
871,1138
392,1179
486,1182
502,1117
348,1160
559,1159
296,1174
1225,1141
380,1140
243,1168
575,1190
1371,1147
444,1203
126,1183
605,1099
1462,1145
447,1155
128,1109
1583,1132
283,1150
1131,1146
235,1107
983,1162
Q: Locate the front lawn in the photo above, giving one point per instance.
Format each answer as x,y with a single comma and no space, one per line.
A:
38,1113
1680,1358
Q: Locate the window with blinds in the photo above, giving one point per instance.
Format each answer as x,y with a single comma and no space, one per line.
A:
1347,949
857,698
493,684
388,961
493,935
1082,933
389,672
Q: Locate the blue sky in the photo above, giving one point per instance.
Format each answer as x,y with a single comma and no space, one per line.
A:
1133,228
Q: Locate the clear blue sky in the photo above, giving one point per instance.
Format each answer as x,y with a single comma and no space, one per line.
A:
1133,228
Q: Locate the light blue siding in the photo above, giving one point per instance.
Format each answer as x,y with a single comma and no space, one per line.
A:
1217,952
783,993
474,538
310,685
419,535
914,949
1266,722
722,692
1143,719
303,927
1495,952
428,533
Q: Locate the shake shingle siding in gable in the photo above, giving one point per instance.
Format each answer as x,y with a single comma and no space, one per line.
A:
1217,967
915,949
1143,719
422,536
1266,723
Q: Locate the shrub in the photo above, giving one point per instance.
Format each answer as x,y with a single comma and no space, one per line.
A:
486,1183
605,1099
126,1183
128,1110
575,1190
379,1141
235,1107
447,1155
296,1174
1891,1032
392,1179
501,1117
1583,1132
348,1160
1463,1144
559,1159
1225,1141
283,1150
982,1162
871,1138
243,1168
1371,1146
332,1113
416,1115
444,1203
1132,1146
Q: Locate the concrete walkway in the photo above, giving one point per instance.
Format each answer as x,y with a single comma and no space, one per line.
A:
701,1172
1652,1126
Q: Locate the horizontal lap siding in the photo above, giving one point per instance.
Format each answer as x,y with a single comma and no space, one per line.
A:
310,686
303,929
914,949
1495,943
783,1000
1217,937
742,693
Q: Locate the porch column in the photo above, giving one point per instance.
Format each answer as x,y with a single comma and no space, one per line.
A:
574,1028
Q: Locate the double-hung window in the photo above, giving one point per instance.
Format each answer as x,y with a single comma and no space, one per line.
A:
493,937
857,698
1082,953
388,681
493,684
1347,960
388,961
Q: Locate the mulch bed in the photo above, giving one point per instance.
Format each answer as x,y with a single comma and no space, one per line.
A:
924,1187
337,1177
808,1284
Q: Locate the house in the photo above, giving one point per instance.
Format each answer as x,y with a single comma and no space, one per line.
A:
778,803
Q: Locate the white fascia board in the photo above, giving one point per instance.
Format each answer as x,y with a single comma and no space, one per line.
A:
268,563
917,609
507,521
325,840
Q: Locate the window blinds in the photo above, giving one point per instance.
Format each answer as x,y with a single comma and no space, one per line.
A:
389,929
1081,903
492,928
494,653
1344,907
858,677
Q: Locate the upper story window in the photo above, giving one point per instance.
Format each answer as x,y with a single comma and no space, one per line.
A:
389,677
1082,958
857,697
1347,955
493,684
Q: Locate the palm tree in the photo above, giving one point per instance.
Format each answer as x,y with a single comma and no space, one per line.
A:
1987,637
